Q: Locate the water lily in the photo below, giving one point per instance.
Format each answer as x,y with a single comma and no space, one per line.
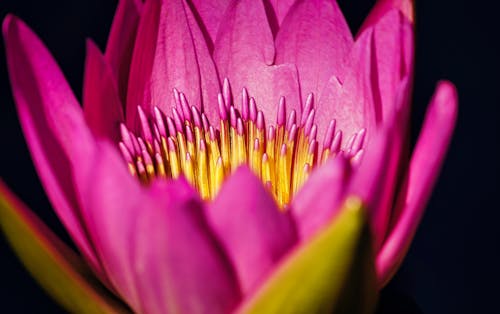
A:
231,156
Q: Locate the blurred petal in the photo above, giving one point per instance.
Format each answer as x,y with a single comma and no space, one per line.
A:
406,7
251,228
244,52
315,37
349,98
332,273
101,103
52,120
422,173
61,272
181,267
319,200
121,42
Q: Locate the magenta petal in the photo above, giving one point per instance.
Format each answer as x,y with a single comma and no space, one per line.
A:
181,61
101,103
422,173
315,37
349,99
393,46
182,267
210,14
121,42
320,198
142,60
251,228
281,8
244,52
384,6
53,124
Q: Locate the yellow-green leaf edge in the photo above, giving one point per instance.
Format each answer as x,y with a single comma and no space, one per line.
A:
332,273
61,272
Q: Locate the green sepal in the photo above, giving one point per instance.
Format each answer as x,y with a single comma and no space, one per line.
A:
333,272
61,272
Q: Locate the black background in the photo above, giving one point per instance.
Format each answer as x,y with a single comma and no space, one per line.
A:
452,266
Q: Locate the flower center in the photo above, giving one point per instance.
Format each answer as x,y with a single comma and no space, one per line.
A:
281,155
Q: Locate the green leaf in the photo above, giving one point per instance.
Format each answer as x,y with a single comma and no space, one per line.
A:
61,272
331,273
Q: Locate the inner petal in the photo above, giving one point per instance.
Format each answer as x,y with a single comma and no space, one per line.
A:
282,155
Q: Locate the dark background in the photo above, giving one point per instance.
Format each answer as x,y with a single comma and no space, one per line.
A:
452,266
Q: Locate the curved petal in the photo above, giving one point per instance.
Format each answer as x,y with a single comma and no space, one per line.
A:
316,38
182,269
320,198
422,173
61,272
121,42
253,231
349,98
209,14
244,53
53,125
281,8
331,273
101,103
393,49
406,7
181,61
154,243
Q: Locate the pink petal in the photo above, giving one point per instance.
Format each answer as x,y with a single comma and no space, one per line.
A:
393,50
320,198
315,37
209,13
53,125
121,42
406,7
251,228
101,103
181,61
281,8
183,268
142,59
422,173
154,242
349,99
244,52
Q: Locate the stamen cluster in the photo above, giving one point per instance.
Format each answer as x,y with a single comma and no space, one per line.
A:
184,143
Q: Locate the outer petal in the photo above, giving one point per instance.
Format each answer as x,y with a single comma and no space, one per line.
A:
244,52
349,99
121,42
181,61
406,7
252,229
422,173
56,267
332,273
155,245
393,48
51,119
321,196
101,103
315,37
182,267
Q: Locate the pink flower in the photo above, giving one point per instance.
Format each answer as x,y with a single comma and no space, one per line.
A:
280,130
